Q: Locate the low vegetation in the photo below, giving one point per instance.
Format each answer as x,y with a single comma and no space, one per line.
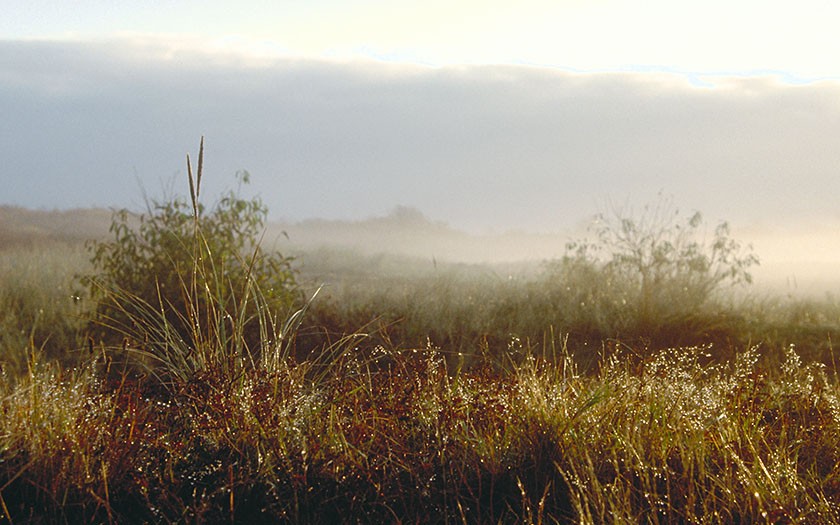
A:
177,372
190,288
395,436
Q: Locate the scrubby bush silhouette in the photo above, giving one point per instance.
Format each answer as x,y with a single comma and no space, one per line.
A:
649,273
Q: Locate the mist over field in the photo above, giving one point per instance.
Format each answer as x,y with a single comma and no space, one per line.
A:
795,262
517,157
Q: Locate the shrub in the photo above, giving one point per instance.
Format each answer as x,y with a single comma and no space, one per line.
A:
650,272
183,275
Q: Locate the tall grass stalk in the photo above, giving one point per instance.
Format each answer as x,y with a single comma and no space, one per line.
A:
209,306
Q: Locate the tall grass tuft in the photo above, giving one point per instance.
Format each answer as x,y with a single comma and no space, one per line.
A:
190,291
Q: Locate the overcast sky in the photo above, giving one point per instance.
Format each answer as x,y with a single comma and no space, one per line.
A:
487,115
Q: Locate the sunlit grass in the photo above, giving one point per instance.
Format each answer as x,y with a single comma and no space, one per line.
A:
472,397
396,435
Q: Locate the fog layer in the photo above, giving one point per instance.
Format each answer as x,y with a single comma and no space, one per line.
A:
487,150
482,148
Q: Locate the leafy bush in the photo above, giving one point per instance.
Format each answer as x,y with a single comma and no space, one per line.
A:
651,272
182,275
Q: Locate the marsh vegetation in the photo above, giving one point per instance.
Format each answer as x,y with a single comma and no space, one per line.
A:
174,370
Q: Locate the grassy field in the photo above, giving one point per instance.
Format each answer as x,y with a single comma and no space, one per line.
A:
410,391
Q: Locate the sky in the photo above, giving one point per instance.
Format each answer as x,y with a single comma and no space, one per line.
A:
489,116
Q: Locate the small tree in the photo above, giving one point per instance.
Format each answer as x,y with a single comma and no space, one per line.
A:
657,268
182,275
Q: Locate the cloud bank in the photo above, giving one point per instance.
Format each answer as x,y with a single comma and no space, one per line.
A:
479,147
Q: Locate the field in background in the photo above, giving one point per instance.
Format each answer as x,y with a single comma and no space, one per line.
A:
409,281
421,389
800,261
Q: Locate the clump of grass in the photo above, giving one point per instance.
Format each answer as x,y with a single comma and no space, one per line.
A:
190,291
693,443
188,287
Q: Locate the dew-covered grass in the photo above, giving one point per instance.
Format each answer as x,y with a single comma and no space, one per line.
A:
395,436
458,396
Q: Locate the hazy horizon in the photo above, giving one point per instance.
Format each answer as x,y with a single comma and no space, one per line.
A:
794,262
481,147
483,116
